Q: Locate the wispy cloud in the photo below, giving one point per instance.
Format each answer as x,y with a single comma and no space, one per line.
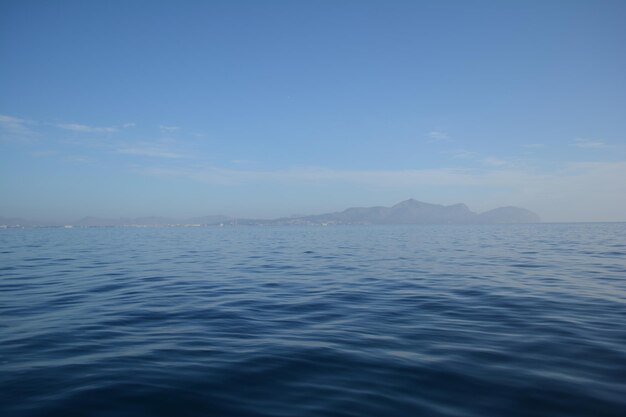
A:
494,161
487,160
590,143
227,176
151,151
16,126
168,129
81,159
240,161
75,127
464,154
384,178
81,128
500,175
44,154
438,136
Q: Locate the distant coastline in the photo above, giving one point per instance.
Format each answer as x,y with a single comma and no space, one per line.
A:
406,212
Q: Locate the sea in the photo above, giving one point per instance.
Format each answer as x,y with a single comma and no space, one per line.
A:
447,320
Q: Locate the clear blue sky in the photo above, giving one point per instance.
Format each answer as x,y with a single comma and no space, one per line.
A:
271,108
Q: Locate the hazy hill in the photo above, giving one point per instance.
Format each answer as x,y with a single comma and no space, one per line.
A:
509,215
406,212
417,212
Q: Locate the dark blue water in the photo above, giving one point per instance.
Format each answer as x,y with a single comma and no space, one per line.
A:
526,320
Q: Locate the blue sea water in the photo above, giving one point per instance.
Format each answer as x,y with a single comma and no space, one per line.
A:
511,320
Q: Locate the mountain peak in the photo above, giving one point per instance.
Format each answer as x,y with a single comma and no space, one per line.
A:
409,202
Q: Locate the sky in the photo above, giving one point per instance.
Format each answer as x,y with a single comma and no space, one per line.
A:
277,108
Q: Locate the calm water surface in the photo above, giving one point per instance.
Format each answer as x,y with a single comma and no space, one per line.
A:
524,320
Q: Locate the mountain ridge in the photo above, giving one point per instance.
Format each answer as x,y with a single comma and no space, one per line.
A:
412,211
409,211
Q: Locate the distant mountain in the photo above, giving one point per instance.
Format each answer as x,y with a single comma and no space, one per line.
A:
509,215
406,212
417,212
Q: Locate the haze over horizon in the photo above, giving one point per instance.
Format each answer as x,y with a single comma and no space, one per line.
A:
270,109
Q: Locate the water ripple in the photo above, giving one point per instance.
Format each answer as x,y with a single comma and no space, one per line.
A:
525,320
